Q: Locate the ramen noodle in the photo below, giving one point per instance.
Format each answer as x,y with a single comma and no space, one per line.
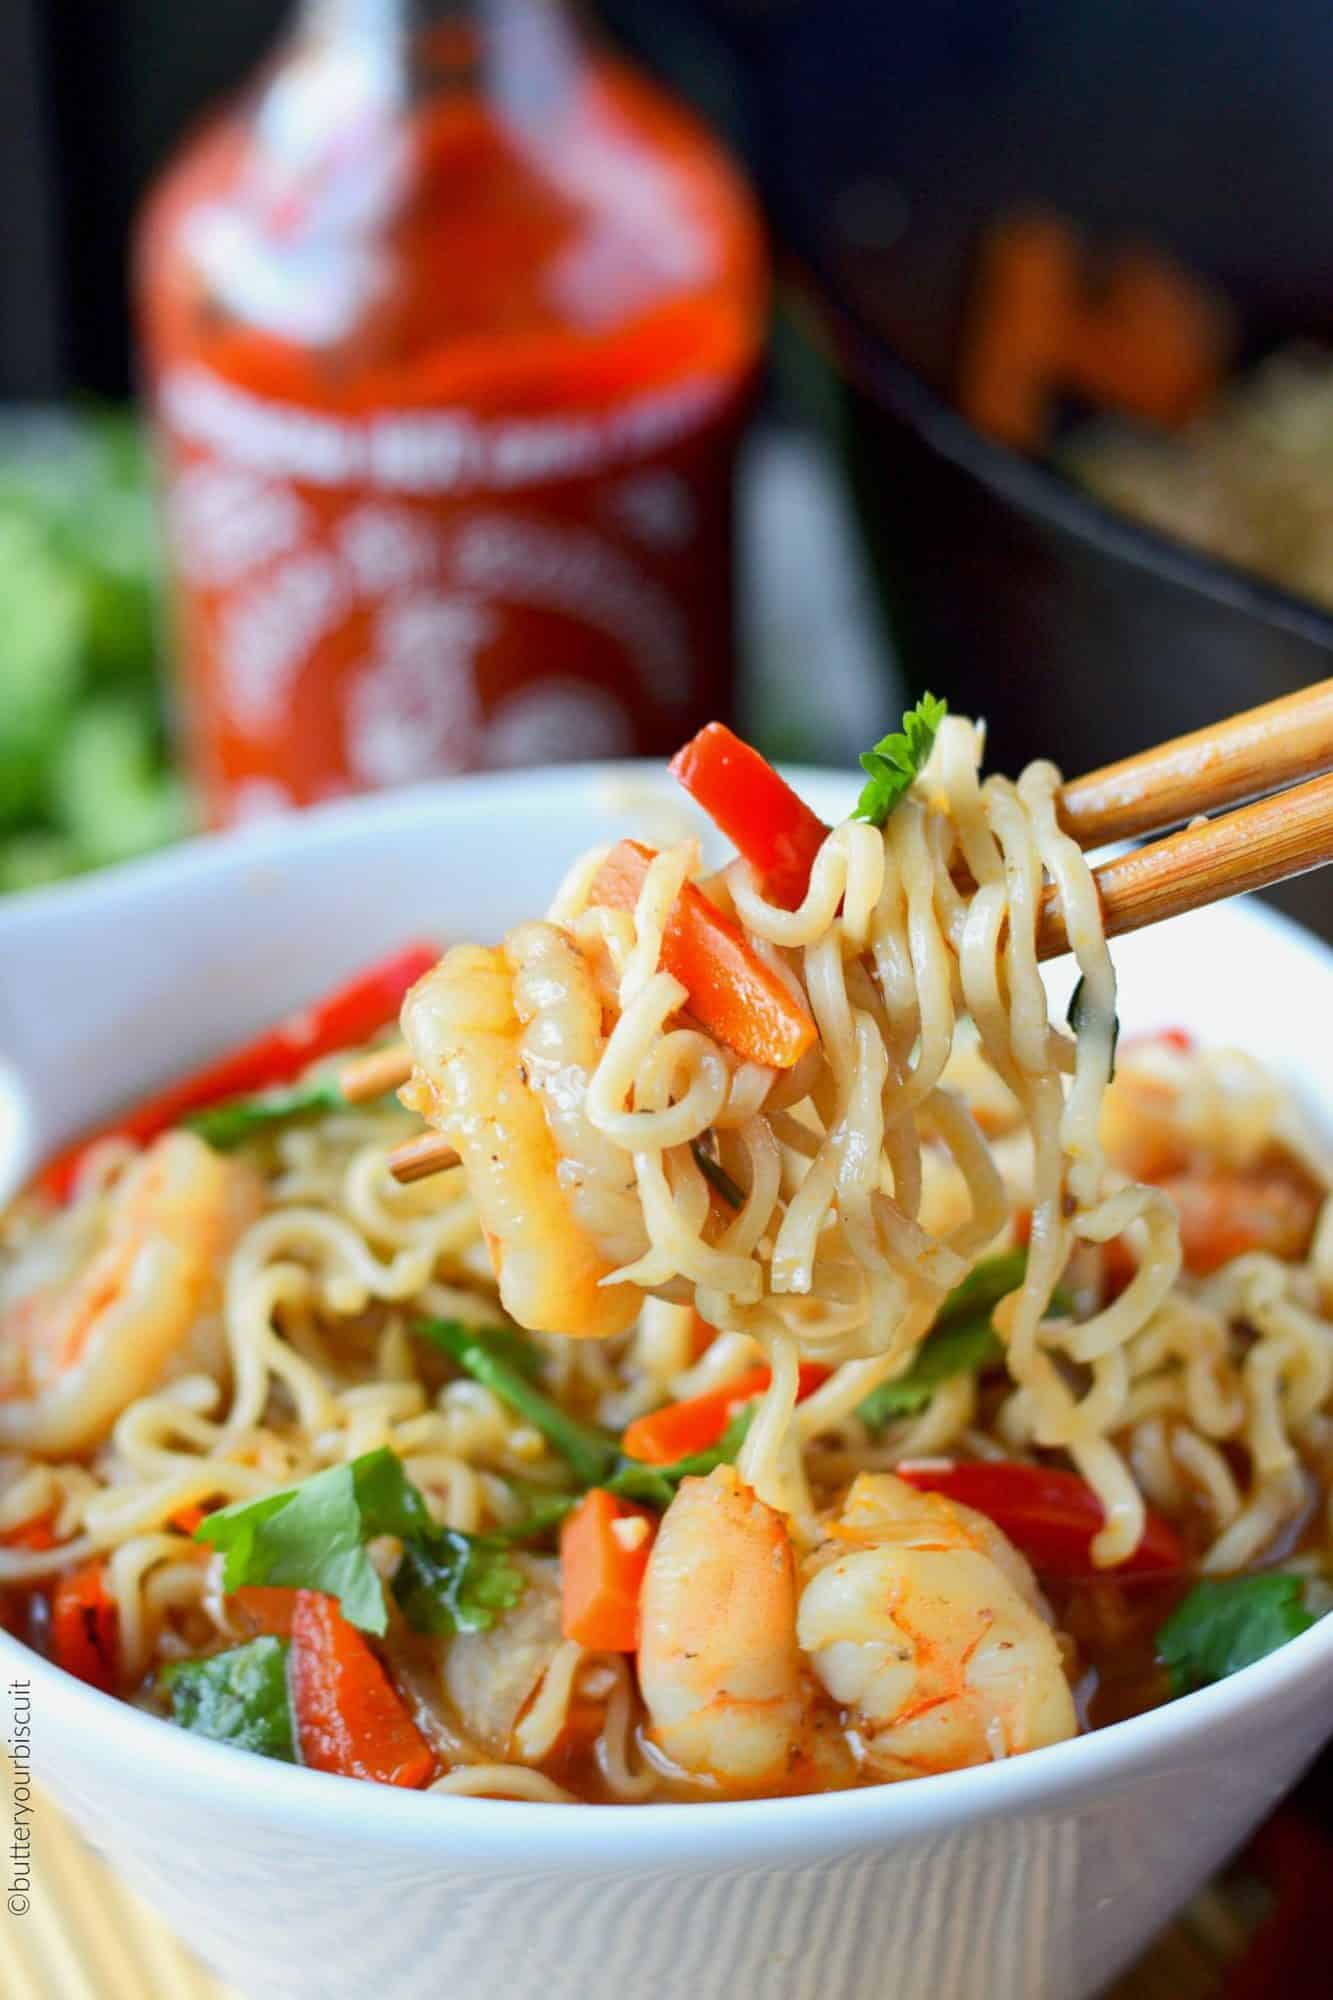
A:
817,1368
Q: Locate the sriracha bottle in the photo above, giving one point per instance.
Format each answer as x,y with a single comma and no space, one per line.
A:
450,326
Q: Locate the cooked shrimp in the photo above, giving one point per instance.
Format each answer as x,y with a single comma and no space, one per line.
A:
719,1667
1141,1127
923,1621
912,1620
1223,1215
84,1349
1202,1129
503,1042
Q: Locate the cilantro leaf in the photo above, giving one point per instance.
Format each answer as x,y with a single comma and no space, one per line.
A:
899,758
313,1536
655,1485
485,1353
237,1697
1074,1016
1229,1622
450,1582
546,1509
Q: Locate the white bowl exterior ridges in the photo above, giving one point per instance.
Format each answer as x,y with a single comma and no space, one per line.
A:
1035,1880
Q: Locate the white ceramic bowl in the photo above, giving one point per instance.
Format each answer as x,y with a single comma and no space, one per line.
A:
1040,1877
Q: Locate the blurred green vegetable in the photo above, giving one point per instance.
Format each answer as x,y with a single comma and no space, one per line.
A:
84,774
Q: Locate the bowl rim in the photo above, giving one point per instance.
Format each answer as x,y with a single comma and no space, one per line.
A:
681,1835
678,1834
1025,483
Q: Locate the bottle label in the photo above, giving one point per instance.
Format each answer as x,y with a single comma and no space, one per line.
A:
371,601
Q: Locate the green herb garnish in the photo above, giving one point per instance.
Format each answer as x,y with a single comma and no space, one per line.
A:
982,1289
1074,1016
957,1350
898,759
237,1697
238,1119
962,1339
716,1175
1227,1623
545,1511
484,1353
313,1536
451,1582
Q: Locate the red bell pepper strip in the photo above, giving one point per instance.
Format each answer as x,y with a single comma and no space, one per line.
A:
348,1716
770,825
679,1430
85,1628
731,991
1052,1516
350,1014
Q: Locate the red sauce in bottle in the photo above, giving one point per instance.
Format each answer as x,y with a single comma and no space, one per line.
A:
449,338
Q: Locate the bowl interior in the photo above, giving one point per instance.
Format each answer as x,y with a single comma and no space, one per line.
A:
127,978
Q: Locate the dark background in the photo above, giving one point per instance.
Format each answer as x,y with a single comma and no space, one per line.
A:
94,94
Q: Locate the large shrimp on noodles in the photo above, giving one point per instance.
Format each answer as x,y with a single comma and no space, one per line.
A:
504,1041
84,1348
910,1616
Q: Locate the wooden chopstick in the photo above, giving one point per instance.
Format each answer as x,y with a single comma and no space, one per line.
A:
418,1159
1212,768
376,1074
1278,836
373,1076
1261,844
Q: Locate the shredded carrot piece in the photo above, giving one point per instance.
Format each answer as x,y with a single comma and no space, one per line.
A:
265,1608
349,1717
85,1627
730,989
678,1430
38,1532
600,1576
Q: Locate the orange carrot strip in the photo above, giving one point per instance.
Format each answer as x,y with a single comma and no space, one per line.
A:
38,1532
601,1576
702,1336
349,1717
731,991
266,1608
84,1627
1223,1216
678,1430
